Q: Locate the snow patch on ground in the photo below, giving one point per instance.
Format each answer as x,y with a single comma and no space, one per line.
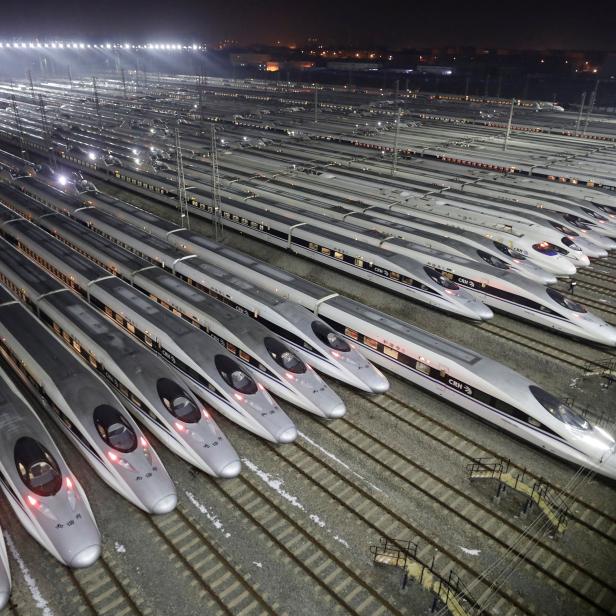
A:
39,601
276,484
212,517
257,564
470,551
330,455
119,548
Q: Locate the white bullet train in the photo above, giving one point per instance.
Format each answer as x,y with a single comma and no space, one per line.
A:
155,393
279,368
5,573
84,408
44,494
212,372
308,337
495,287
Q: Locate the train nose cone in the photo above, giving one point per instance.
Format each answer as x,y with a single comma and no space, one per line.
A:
288,435
86,557
165,504
4,598
230,470
483,312
337,411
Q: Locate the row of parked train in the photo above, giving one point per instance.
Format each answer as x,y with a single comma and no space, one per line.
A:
217,331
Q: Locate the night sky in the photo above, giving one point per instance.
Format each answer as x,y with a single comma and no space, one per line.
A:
502,23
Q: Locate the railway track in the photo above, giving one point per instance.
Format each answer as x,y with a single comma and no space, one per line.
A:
224,589
587,514
99,590
542,348
379,519
557,568
339,582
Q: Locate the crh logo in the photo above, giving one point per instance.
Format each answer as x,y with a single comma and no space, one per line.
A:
461,386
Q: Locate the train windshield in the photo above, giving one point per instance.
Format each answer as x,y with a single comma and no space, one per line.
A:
569,243
234,375
545,248
177,401
577,222
37,469
440,279
594,214
563,229
284,357
330,337
114,429
492,260
564,301
559,409
507,251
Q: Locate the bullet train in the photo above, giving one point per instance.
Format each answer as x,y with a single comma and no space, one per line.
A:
46,497
91,417
5,574
308,337
156,394
496,288
279,368
592,242
212,372
559,232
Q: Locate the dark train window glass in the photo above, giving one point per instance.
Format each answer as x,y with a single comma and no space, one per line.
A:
569,243
114,429
507,251
329,337
234,375
440,279
558,409
577,222
177,401
564,301
545,248
283,356
37,468
492,260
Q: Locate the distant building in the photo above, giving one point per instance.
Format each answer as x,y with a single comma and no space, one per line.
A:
353,66
432,69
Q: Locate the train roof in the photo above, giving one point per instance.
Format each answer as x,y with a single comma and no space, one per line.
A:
67,255
133,210
410,333
51,355
5,296
38,279
20,198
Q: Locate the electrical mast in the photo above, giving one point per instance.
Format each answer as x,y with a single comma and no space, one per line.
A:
182,200
217,219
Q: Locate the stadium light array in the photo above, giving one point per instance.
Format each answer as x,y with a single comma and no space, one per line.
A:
78,46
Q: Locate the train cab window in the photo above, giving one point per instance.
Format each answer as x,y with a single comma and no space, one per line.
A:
234,375
283,356
508,251
559,409
440,279
177,401
329,337
569,243
492,260
564,301
37,468
545,248
114,429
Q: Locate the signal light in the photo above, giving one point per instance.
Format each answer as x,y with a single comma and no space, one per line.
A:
69,483
33,502
112,456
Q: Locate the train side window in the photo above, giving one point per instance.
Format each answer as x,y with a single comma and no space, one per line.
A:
148,340
231,348
108,311
351,333
130,327
372,343
359,262
422,367
390,352
394,275
313,246
244,356
76,346
326,251
338,255
92,361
